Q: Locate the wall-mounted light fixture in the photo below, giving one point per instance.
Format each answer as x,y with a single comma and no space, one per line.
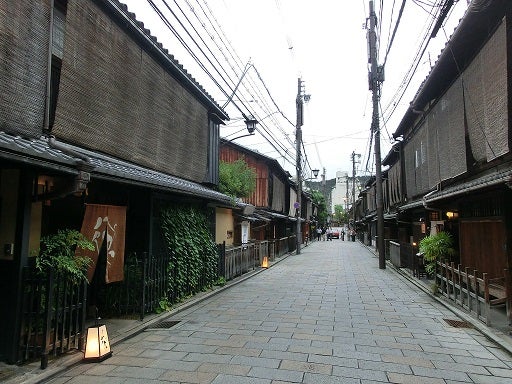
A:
251,125
315,175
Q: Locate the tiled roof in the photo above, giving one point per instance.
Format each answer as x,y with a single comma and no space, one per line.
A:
39,153
492,179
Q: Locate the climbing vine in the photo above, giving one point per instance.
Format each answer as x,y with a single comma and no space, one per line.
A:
193,262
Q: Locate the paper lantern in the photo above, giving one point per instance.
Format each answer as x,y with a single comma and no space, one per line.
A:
97,347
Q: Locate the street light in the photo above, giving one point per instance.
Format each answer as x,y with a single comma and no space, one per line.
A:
251,125
250,122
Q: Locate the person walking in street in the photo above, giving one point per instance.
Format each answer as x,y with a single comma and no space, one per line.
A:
318,233
329,234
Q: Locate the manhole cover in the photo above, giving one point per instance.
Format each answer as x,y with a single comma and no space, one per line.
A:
458,323
164,324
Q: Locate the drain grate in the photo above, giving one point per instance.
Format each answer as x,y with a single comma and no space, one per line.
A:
166,324
458,323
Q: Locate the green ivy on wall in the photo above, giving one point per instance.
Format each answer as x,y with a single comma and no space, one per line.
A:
194,258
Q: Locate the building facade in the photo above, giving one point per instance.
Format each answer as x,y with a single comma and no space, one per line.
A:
96,117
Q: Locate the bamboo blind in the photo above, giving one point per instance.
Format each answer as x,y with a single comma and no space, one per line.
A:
116,98
24,42
485,87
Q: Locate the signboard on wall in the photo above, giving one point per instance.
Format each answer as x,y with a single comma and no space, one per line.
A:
245,232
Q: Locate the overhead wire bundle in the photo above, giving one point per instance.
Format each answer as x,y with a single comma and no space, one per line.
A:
196,28
437,11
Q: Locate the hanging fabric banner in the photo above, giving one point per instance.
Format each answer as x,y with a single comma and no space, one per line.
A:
105,222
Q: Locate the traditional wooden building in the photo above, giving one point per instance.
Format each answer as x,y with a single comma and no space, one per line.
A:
274,196
94,112
451,167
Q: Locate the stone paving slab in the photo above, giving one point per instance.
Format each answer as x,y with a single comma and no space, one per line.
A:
328,315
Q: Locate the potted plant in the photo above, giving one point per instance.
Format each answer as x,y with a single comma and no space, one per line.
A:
435,247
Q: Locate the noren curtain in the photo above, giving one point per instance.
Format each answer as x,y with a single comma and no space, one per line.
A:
106,222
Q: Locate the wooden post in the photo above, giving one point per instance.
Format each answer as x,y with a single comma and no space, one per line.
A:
468,288
477,293
459,282
508,293
441,278
454,287
485,278
447,275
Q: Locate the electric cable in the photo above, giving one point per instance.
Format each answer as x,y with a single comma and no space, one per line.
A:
397,97
225,77
400,13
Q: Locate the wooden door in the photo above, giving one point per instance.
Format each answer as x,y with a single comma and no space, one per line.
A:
483,246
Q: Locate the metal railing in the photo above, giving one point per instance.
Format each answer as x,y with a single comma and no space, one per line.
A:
145,284
53,315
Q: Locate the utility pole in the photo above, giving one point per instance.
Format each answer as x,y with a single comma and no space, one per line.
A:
323,188
354,155
376,77
346,197
298,142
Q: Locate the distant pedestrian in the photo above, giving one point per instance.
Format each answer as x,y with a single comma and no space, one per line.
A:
318,233
342,235
323,233
329,234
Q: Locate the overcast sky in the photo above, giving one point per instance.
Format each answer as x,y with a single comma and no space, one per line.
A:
324,43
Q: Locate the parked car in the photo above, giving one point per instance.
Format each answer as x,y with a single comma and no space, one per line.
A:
335,234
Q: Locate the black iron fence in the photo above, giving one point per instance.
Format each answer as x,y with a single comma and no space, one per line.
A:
53,315
145,284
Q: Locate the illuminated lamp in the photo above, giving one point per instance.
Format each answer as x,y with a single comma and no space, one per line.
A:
264,264
97,347
449,215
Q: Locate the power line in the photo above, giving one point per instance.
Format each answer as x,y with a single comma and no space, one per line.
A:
394,32
400,92
253,86
219,74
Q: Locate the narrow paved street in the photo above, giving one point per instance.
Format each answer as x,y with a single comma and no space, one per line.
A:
328,315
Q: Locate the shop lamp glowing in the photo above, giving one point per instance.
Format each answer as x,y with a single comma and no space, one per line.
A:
97,347
264,264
